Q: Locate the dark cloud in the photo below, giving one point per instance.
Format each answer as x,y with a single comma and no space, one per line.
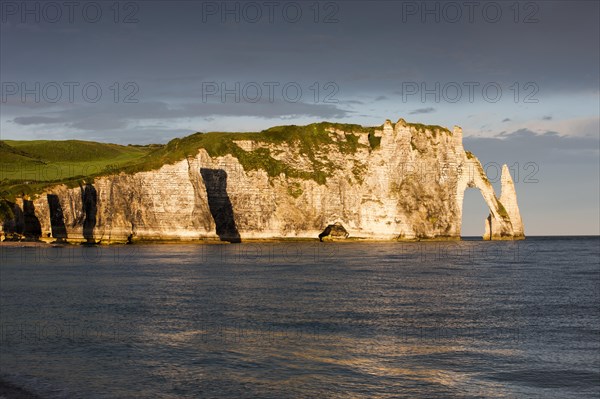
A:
192,51
506,120
427,110
380,98
547,118
37,120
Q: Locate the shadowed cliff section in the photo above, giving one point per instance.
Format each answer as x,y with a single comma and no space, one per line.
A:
57,219
20,222
89,198
12,220
221,209
32,229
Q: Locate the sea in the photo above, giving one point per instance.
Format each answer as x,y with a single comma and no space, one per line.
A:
463,319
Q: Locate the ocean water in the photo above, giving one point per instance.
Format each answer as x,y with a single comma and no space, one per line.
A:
468,319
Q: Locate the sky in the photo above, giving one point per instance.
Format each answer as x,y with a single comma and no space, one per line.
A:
521,79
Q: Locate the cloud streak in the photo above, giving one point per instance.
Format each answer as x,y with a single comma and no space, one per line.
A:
418,111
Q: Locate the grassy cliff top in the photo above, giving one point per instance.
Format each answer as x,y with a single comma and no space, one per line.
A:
432,128
74,150
309,139
28,167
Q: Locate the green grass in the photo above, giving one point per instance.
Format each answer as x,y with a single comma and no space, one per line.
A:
12,154
27,167
6,213
44,160
422,127
75,150
312,137
432,128
309,140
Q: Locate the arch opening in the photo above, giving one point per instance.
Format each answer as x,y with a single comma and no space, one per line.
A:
475,214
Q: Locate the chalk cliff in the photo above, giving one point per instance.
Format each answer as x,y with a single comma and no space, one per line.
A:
397,181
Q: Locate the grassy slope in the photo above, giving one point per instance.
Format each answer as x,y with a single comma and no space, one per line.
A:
10,154
30,166
74,150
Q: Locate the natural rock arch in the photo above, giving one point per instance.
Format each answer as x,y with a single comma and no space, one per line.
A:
504,220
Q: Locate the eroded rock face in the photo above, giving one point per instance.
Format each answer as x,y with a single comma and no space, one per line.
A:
410,186
508,198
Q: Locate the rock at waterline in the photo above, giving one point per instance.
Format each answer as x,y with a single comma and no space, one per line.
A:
333,231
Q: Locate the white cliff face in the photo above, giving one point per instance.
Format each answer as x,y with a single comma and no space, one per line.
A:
508,198
411,186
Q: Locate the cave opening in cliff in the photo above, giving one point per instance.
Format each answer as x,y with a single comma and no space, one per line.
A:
474,215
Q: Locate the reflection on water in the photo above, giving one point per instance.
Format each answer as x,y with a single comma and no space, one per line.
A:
353,320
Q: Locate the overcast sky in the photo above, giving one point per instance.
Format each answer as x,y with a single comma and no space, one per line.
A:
522,79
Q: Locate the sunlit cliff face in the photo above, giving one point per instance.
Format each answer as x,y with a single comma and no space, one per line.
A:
403,181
